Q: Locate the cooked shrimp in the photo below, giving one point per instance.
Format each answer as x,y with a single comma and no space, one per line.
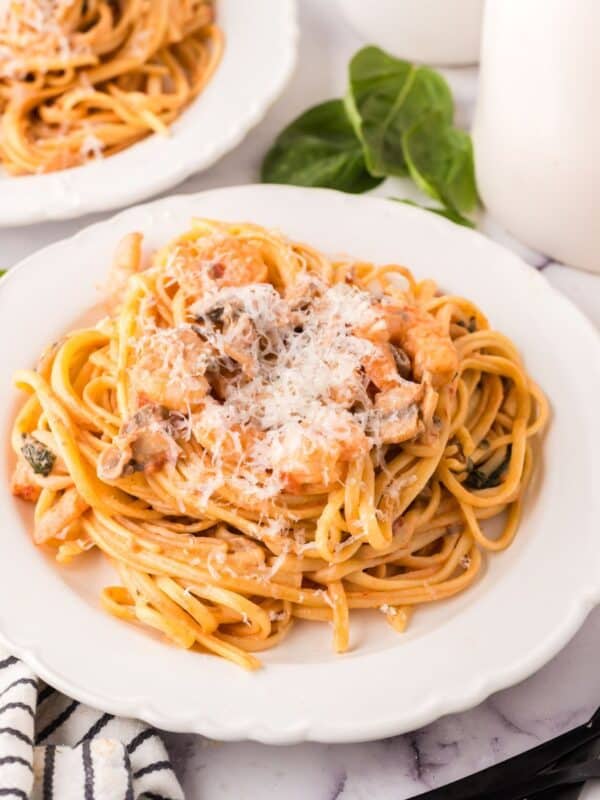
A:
22,483
421,336
385,367
232,261
169,368
308,457
69,507
226,441
216,260
374,329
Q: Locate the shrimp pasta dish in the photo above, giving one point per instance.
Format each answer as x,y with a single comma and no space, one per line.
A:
81,79
257,434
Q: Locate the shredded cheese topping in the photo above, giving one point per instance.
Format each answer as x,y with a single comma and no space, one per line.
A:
299,405
280,390
37,29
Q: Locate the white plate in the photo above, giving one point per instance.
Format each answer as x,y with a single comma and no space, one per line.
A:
259,56
525,607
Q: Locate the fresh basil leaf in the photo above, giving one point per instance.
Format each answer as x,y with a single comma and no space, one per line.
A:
440,161
448,213
385,97
319,148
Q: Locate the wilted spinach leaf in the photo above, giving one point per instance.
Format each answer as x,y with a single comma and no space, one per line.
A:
320,148
440,161
478,479
39,457
385,97
396,120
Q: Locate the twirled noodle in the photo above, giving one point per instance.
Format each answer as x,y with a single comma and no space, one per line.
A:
80,80
227,509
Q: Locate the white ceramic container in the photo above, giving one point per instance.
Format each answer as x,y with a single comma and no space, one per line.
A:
537,125
429,31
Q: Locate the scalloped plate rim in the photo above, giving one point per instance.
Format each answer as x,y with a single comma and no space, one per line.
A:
271,728
119,181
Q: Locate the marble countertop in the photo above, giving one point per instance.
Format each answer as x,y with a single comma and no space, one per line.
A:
558,697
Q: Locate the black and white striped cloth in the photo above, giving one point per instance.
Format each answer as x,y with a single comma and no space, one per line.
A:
54,748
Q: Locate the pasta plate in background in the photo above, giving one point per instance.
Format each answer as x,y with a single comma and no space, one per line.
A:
84,80
239,55
258,433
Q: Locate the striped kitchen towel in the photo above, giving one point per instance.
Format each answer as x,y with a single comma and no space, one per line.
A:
54,748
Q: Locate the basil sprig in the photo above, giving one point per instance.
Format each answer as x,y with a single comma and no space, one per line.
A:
396,120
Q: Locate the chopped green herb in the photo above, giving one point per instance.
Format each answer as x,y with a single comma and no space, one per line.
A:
38,456
484,443
2,272
478,479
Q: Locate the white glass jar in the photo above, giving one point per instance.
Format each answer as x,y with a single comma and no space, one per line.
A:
537,125
429,31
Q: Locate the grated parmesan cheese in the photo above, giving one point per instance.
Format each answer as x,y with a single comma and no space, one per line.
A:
308,373
277,388
92,147
36,30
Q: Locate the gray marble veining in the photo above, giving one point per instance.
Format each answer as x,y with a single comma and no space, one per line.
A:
558,697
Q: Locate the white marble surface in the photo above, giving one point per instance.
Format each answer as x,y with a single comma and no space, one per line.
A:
558,697
561,695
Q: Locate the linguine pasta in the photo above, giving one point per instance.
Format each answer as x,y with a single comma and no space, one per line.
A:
80,80
257,434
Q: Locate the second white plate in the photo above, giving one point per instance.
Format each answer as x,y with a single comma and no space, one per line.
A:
259,55
523,609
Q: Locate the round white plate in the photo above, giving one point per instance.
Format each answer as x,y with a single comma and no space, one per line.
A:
259,56
524,608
